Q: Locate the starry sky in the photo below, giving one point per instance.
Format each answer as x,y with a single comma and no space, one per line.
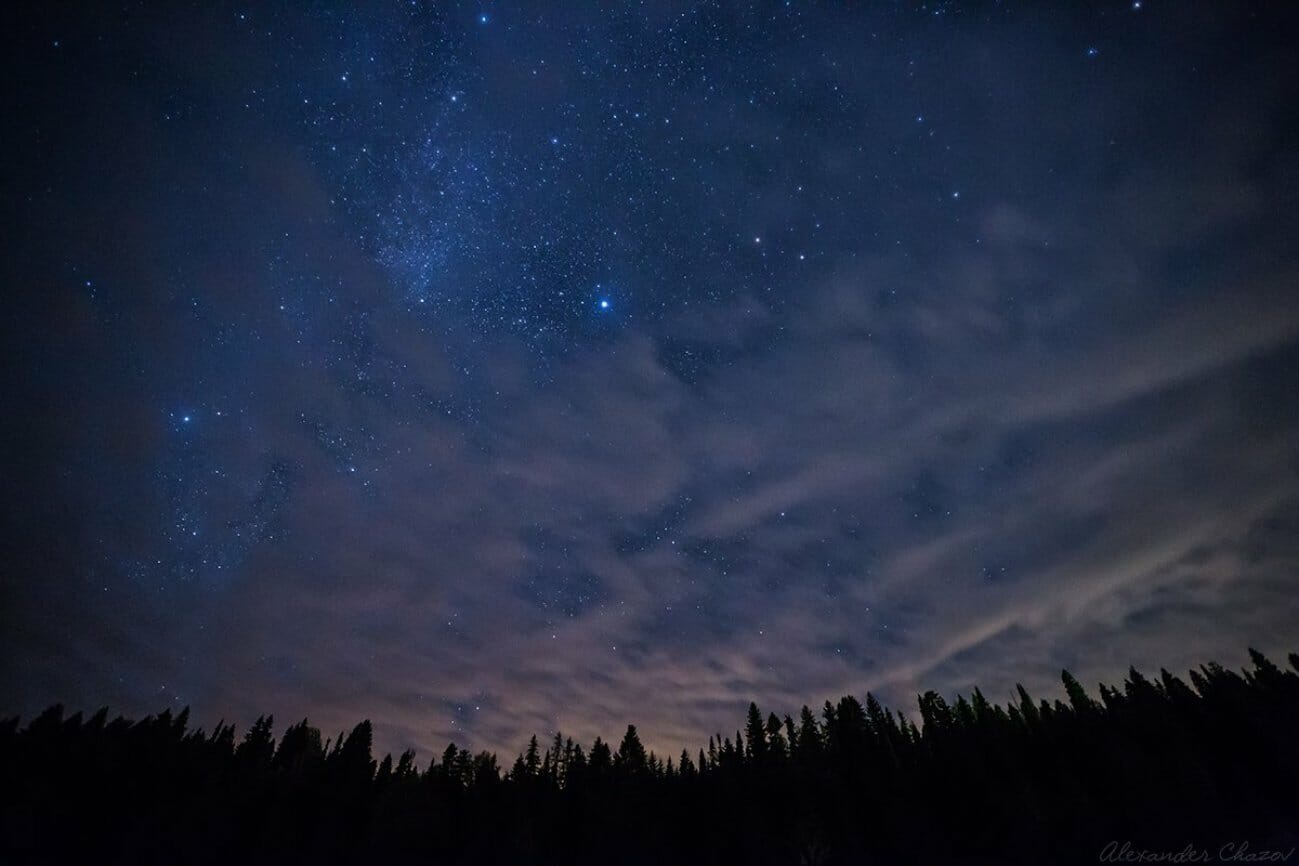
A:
490,368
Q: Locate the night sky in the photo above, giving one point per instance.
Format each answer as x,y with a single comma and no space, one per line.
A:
490,368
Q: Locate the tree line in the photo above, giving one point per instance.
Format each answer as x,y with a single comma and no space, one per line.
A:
1156,764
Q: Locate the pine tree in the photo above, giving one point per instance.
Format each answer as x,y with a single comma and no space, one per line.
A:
353,759
809,736
775,739
532,759
755,736
556,756
1082,704
384,774
576,765
601,760
631,758
405,765
299,747
258,745
1027,708
1265,672
449,769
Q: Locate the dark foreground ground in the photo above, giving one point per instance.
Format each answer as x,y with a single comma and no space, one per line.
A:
1157,770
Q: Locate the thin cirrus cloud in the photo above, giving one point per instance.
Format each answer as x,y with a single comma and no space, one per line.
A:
1092,526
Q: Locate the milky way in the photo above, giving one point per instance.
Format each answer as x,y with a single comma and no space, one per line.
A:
488,369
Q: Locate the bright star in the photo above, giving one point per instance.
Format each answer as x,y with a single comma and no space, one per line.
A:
604,303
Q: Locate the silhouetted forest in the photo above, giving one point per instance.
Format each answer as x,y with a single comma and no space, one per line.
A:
1160,763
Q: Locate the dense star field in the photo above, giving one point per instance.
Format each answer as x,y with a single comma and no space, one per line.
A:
490,369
